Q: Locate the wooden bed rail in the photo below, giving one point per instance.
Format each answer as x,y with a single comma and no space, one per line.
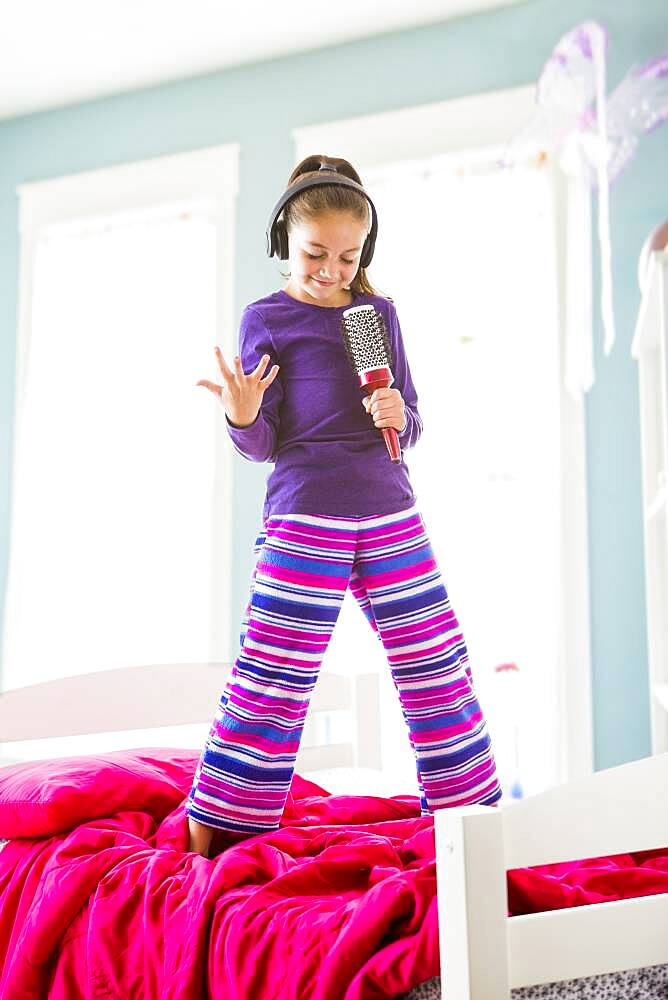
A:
485,954
155,696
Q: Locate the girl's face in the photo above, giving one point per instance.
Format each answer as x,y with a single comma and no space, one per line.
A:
324,258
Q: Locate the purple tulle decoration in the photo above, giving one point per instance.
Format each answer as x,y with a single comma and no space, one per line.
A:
565,94
567,113
638,104
593,138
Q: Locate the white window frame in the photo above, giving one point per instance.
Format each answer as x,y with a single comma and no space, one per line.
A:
209,177
467,125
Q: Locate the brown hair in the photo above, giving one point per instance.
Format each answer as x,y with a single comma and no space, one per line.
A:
326,198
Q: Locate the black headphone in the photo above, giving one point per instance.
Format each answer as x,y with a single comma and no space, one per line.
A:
277,233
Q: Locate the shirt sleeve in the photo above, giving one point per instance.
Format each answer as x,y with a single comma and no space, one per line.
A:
404,383
259,441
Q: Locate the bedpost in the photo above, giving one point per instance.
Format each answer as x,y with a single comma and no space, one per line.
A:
472,903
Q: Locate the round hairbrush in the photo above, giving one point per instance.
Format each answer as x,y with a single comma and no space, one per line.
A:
368,346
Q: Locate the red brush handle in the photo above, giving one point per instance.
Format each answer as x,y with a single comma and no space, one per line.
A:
382,378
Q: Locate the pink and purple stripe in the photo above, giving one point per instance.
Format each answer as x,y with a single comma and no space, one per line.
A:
304,565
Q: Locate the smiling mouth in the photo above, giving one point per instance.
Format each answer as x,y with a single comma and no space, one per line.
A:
323,282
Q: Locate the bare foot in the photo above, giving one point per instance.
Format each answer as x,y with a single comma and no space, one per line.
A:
200,837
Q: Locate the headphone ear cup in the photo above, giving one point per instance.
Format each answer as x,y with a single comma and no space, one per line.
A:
367,252
281,239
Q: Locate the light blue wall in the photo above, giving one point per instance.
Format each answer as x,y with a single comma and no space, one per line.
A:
257,106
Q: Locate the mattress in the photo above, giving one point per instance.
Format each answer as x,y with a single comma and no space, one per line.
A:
632,984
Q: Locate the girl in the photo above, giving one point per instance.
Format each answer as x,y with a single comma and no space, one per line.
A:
337,513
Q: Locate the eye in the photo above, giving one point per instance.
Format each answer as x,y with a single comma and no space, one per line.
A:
318,256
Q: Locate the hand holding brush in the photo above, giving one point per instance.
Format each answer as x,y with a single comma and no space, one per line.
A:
368,346
387,408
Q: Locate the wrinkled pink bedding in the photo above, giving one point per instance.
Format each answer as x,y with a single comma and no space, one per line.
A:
100,899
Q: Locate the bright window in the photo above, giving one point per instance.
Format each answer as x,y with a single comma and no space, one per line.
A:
120,521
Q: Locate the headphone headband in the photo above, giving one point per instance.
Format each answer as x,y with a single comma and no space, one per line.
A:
276,235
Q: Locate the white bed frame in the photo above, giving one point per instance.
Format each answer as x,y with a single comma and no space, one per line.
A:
124,699
484,953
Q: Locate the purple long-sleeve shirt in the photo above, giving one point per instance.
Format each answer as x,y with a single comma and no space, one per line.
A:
329,457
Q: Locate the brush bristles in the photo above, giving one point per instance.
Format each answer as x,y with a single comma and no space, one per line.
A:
366,339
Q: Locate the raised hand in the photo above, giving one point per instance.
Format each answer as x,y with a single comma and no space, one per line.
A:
241,394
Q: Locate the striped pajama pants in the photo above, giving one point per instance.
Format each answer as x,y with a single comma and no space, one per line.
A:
303,567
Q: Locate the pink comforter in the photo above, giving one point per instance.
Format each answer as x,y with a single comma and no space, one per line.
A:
338,903
99,899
